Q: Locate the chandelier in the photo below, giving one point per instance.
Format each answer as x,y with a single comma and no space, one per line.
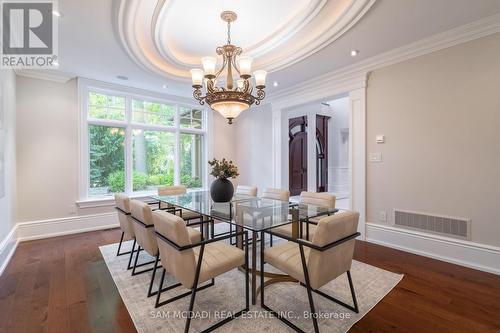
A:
232,99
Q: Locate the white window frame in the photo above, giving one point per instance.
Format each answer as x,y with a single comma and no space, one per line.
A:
86,86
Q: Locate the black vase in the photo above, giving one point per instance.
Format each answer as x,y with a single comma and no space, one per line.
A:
221,190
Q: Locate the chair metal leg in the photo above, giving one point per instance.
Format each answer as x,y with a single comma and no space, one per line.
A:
160,289
193,292
307,229
150,293
175,298
120,244
139,249
136,258
261,269
339,302
247,277
118,253
213,229
131,255
309,289
353,293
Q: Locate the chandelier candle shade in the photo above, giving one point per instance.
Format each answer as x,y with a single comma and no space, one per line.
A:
237,96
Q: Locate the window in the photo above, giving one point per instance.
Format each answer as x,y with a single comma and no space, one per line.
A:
191,159
190,118
136,144
106,159
153,161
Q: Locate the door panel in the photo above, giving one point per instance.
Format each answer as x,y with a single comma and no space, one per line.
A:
321,153
297,155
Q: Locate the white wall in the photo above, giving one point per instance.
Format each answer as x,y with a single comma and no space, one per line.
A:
253,139
440,114
338,146
223,137
8,149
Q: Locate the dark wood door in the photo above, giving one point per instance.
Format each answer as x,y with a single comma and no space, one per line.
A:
321,153
297,132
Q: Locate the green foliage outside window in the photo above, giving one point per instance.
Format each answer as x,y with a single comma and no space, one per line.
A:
153,150
106,154
106,107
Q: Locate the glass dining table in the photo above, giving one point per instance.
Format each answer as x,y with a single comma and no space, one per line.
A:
249,213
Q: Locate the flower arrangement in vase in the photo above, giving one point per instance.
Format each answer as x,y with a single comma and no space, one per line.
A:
222,189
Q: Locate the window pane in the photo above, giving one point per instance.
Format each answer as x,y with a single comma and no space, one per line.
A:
152,113
185,122
191,154
103,106
153,159
190,118
106,157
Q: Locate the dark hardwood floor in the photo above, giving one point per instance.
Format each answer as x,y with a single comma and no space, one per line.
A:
63,285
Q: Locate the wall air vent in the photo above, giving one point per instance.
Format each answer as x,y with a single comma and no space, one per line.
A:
456,227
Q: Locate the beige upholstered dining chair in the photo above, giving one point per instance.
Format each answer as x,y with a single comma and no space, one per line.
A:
126,225
246,190
194,263
318,262
276,194
326,200
186,214
146,239
177,190
123,207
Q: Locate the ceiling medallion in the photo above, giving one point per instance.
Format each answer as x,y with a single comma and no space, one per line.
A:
232,99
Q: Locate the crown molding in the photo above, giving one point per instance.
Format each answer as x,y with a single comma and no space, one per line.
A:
327,84
45,74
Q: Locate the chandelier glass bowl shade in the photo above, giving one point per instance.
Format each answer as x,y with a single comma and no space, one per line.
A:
237,96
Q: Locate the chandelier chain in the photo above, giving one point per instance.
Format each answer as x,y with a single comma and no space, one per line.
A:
229,32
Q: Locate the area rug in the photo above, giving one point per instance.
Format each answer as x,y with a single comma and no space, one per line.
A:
227,295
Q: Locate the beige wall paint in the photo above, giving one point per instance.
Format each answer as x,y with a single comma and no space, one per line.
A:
47,149
440,114
8,149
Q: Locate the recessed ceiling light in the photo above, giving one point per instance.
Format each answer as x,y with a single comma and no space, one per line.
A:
275,83
121,77
56,13
164,86
354,53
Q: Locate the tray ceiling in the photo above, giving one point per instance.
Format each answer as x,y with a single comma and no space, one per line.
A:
169,37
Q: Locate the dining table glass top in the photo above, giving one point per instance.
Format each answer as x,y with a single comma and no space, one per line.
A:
249,212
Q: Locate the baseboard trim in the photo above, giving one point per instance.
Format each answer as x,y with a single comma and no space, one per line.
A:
7,248
65,226
465,253
26,231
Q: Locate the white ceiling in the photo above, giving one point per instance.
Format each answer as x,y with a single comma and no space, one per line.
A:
90,46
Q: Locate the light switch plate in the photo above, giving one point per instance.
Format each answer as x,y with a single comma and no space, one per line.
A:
382,216
375,157
380,138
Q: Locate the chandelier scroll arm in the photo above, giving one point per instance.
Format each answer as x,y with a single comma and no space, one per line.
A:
237,53
260,95
198,95
220,51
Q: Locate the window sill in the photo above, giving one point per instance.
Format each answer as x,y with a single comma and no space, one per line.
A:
109,201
